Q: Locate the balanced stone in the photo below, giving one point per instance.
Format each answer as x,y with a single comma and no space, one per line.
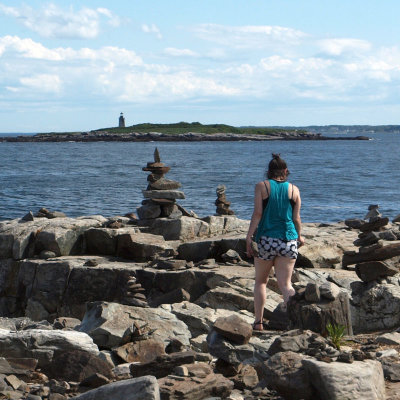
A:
164,184
163,194
222,203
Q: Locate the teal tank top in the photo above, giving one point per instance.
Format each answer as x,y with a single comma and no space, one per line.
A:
277,219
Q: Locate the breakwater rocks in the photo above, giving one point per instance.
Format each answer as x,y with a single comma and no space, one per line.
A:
94,136
161,308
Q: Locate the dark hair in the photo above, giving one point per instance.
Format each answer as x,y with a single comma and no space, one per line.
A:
277,167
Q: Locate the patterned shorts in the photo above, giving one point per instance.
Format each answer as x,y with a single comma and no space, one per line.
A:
269,248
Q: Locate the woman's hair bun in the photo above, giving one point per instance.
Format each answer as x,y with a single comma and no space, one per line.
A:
276,156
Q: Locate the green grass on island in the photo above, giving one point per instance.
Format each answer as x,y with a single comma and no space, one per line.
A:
196,127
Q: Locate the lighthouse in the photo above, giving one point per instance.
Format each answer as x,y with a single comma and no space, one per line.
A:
121,121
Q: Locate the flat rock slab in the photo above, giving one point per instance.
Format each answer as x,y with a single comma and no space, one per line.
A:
142,246
44,345
335,381
143,388
371,270
391,338
163,194
374,225
234,328
162,365
63,236
107,323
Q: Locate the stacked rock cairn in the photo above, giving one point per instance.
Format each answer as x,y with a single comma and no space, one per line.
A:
161,194
134,293
222,203
375,260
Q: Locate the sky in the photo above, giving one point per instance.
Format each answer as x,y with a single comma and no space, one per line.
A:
75,65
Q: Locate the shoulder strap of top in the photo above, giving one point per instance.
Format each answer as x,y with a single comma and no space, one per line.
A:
266,188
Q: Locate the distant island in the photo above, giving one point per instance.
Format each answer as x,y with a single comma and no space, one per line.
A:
181,131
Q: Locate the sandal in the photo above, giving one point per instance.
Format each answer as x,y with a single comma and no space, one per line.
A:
258,323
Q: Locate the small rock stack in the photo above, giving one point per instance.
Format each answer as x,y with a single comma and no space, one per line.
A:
134,293
373,260
161,194
222,203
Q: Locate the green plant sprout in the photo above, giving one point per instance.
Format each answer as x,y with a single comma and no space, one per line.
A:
335,334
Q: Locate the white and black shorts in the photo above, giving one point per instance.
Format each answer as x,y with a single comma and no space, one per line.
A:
269,248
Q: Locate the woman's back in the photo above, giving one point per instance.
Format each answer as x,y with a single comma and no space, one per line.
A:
277,218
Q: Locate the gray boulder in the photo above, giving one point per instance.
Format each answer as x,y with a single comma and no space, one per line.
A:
107,323
143,388
375,307
43,345
284,372
335,381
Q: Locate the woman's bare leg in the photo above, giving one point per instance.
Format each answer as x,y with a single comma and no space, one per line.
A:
283,272
262,268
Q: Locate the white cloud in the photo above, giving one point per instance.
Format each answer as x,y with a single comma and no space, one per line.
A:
172,51
52,21
152,29
337,47
44,82
28,48
248,36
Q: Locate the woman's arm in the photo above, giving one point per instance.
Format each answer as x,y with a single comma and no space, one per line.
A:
255,218
296,214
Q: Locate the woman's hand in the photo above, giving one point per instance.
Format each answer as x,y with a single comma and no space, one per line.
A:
300,241
249,248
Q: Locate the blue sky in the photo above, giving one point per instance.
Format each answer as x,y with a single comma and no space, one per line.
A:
69,65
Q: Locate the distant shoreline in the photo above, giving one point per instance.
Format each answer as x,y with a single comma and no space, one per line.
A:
154,137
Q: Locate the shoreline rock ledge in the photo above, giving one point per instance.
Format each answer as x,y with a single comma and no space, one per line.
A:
161,308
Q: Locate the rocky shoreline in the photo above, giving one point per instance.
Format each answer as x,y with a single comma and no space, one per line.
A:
161,308
95,136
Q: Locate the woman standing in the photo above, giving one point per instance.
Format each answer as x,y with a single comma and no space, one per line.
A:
276,217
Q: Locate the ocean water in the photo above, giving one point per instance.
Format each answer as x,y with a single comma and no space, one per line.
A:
337,179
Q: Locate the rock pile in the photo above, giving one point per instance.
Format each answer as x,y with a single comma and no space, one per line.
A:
222,203
374,260
161,194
